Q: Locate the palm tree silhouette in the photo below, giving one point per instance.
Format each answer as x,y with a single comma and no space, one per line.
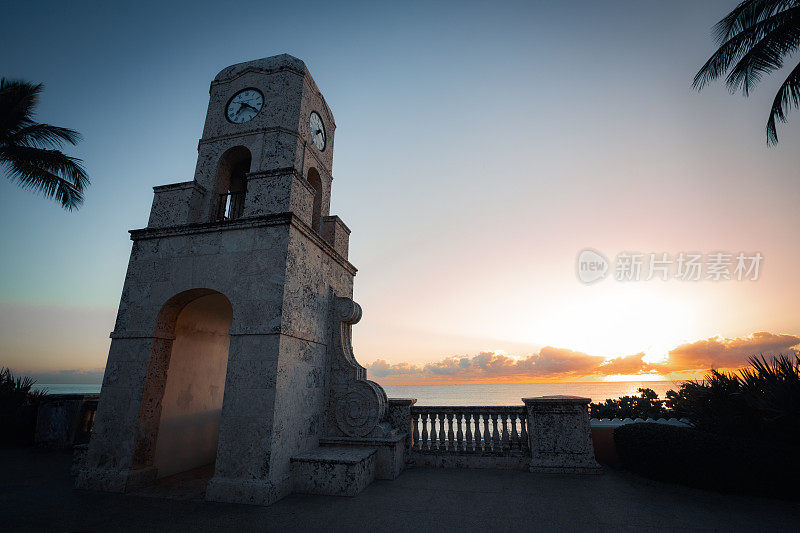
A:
755,39
29,150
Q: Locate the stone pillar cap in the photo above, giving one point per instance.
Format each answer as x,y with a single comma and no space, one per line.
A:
403,401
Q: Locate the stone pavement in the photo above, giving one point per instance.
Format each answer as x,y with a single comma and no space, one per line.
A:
36,494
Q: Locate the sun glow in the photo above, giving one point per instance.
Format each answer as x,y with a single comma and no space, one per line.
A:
636,377
620,319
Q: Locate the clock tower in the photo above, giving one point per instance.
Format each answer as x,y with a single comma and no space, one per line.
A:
231,348
267,147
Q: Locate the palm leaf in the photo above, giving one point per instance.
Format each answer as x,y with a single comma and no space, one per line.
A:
51,172
17,102
746,14
767,54
44,136
755,38
788,96
740,44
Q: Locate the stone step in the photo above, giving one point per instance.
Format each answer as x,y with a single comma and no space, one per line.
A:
389,458
334,470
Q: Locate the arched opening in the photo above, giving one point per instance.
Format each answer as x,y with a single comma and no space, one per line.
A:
232,182
315,181
182,397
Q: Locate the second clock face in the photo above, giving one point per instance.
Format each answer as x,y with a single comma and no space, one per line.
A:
244,106
317,130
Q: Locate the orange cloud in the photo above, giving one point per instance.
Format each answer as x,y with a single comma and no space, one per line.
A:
549,364
561,364
627,364
730,353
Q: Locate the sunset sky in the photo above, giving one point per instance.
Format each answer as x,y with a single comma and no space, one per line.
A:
479,149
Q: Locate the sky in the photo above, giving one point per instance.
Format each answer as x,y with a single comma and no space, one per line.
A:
480,147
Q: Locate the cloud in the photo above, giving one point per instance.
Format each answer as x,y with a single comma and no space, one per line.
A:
628,364
381,368
549,363
717,352
560,364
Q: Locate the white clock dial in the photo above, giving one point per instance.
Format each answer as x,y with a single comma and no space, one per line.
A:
244,106
317,131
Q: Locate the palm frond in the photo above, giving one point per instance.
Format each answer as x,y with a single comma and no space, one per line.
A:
788,96
18,99
51,172
746,14
733,49
44,136
768,53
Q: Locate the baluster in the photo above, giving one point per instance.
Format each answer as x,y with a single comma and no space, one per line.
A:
470,444
415,444
504,425
451,437
434,432
515,444
461,445
441,437
478,435
487,434
523,419
424,444
495,435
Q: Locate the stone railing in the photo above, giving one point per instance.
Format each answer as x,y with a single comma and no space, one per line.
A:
466,430
546,434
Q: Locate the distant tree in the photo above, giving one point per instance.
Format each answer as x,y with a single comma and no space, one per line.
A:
646,405
29,150
755,39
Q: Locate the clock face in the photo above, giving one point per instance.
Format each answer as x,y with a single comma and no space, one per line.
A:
244,106
317,131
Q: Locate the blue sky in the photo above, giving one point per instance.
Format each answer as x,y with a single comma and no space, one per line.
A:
479,147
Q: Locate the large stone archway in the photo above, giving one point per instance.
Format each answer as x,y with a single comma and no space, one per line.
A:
178,422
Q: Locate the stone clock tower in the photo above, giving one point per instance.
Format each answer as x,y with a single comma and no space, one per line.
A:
231,348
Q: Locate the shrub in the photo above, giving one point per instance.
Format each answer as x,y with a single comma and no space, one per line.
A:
701,459
18,406
762,401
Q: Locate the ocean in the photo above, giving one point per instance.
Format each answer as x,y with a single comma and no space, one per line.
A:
482,394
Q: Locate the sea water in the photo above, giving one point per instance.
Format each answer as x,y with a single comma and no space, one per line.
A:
472,394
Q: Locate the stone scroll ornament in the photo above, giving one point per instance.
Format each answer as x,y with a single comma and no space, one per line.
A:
358,404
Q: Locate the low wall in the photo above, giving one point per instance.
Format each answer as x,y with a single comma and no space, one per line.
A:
64,420
605,451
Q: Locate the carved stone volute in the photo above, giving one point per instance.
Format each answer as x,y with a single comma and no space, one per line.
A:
356,405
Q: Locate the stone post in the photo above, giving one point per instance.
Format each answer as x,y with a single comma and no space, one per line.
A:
559,435
400,417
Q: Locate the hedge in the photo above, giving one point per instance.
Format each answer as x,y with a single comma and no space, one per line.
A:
699,459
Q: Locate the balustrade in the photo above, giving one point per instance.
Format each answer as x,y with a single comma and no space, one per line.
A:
470,430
